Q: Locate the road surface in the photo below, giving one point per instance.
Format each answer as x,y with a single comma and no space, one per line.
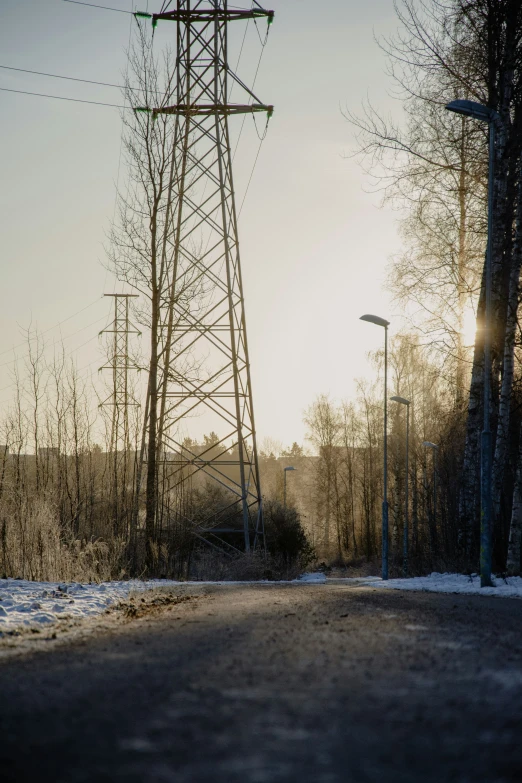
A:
276,684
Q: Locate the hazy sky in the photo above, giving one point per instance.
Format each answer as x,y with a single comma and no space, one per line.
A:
314,244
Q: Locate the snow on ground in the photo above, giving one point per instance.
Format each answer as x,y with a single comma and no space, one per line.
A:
317,578
36,604
510,587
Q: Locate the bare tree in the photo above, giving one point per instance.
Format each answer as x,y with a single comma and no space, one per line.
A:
324,429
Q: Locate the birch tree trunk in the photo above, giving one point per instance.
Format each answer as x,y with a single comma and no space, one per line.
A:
469,488
508,367
461,272
501,51
515,532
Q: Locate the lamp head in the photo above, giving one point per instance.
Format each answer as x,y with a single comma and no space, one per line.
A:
402,400
430,445
471,109
290,468
375,319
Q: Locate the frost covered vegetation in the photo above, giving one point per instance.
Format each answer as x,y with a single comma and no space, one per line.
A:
70,510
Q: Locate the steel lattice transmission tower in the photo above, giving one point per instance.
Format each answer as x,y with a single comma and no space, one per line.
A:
121,398
119,362
206,362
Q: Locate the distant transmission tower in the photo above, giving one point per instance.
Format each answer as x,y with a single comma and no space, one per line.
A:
206,362
121,398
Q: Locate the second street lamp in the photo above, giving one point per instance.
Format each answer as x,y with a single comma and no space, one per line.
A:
478,111
378,321
284,485
404,401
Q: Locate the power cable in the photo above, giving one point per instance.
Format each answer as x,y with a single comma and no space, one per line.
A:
239,57
56,342
81,370
66,356
59,76
116,195
61,98
263,43
75,79
251,174
252,88
103,7
56,326
261,138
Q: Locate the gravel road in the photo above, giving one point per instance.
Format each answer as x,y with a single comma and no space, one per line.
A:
276,684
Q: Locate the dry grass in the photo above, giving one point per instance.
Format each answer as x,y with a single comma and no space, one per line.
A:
33,546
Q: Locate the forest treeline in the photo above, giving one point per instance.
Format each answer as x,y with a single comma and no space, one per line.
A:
71,507
435,167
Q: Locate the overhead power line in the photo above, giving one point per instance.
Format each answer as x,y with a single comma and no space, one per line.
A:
50,328
103,7
61,98
59,76
60,342
75,79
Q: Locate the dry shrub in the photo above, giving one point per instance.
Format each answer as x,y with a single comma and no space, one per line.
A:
288,552
34,546
210,565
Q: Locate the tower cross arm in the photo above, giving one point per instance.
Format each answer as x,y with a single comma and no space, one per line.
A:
204,109
210,14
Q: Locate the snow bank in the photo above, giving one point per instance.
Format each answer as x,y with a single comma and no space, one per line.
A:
37,604
510,587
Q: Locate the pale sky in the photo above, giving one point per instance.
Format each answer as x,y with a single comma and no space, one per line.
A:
314,243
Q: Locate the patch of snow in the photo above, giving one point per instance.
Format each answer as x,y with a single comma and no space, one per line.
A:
317,578
33,604
510,587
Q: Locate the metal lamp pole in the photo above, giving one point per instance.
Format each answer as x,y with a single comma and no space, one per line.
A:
284,486
480,112
375,319
404,401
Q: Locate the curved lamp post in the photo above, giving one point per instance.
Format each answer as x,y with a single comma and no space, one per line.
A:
404,401
284,485
478,111
378,321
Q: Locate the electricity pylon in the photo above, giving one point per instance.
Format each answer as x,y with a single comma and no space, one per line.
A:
120,398
206,365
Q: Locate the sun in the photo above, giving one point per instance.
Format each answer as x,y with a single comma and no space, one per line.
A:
469,327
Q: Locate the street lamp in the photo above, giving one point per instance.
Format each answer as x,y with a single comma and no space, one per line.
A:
375,319
434,448
483,113
404,401
284,485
